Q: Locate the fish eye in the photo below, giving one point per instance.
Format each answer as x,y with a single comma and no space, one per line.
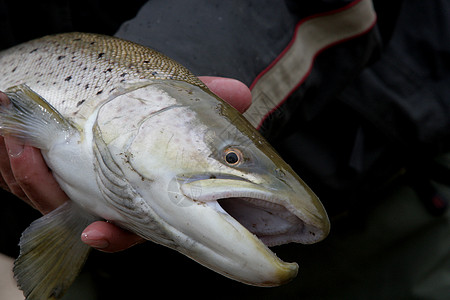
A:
233,156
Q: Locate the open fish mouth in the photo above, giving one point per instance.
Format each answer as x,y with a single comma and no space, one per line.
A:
265,213
272,223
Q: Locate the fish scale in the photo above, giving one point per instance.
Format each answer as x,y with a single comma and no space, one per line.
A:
73,69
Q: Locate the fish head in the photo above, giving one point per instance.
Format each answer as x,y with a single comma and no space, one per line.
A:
218,191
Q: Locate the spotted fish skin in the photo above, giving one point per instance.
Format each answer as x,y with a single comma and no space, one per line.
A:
75,69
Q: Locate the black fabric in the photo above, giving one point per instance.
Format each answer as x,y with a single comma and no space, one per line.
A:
394,115
21,21
236,39
406,94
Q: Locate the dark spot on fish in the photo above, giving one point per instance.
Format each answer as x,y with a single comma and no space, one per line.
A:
154,73
212,177
123,74
146,61
77,39
92,43
61,57
85,68
81,102
34,50
54,82
123,80
65,48
100,55
13,70
99,92
86,86
170,76
94,68
68,78
108,70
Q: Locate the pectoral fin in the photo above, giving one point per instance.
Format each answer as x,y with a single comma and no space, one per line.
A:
31,119
52,253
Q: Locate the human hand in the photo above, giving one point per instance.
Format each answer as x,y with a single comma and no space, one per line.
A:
25,174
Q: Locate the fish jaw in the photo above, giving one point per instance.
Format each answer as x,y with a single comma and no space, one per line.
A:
233,222
205,232
270,214
227,223
234,252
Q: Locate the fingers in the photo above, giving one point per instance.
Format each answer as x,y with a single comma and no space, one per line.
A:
32,181
25,173
232,91
107,237
7,180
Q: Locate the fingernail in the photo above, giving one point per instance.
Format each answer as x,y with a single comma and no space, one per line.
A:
14,149
94,239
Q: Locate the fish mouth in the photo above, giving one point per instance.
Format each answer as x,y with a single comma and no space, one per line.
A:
265,213
272,223
233,222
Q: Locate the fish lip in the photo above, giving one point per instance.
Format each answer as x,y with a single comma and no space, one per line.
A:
260,199
188,184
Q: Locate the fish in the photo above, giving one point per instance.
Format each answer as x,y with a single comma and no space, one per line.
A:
136,139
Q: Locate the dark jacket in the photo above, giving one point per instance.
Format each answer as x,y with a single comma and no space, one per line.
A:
367,90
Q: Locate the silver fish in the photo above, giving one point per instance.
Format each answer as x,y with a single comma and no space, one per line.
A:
135,138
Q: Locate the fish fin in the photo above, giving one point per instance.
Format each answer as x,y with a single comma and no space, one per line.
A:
31,119
52,253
